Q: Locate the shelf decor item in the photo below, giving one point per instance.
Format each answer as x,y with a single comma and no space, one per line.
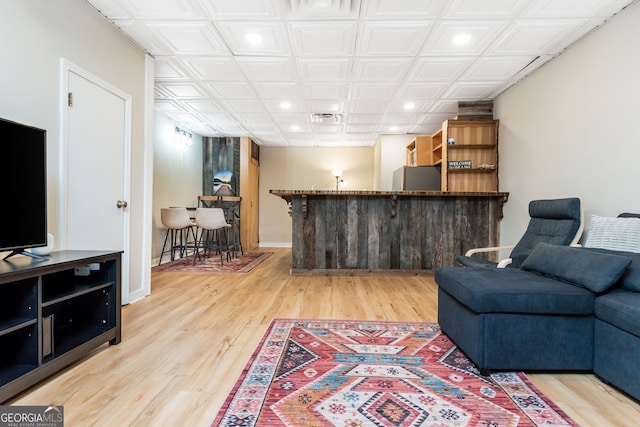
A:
45,250
459,164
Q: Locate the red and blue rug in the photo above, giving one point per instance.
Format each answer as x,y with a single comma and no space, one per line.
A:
367,373
211,264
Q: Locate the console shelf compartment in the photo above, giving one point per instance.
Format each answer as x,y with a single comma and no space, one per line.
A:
18,304
19,353
15,324
78,290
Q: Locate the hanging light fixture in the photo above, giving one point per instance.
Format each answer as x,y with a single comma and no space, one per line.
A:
182,138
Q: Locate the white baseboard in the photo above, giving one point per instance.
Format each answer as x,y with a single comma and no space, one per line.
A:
167,258
274,245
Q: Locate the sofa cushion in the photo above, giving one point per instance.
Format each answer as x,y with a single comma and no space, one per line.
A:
620,308
596,271
630,279
511,290
618,234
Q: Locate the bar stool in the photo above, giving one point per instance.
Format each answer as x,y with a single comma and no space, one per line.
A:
207,201
178,224
231,207
211,222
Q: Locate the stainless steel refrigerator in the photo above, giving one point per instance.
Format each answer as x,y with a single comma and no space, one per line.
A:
417,178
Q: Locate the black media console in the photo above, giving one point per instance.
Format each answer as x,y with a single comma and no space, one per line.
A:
55,311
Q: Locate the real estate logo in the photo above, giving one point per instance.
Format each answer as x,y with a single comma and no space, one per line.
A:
31,416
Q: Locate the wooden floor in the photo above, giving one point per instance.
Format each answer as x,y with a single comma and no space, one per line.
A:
184,346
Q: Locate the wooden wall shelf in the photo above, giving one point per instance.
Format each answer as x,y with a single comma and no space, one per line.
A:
474,140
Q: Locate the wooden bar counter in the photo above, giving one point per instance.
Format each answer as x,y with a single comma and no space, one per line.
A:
399,232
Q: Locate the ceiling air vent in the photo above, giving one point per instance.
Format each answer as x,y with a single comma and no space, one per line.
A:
322,9
326,118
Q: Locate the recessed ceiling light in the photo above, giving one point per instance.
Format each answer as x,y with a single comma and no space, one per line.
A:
285,105
461,39
295,128
409,106
253,38
393,128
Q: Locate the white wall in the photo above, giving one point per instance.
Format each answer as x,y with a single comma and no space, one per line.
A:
35,35
392,149
177,175
305,168
571,128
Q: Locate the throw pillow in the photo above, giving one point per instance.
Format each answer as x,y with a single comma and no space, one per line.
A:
617,234
592,270
630,279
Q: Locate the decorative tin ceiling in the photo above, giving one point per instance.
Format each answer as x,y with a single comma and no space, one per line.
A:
360,68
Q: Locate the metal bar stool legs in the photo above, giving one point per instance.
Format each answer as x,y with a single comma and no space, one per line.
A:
235,232
205,242
211,220
178,224
231,208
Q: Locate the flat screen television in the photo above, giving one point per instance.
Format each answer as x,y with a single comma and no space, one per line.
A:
23,166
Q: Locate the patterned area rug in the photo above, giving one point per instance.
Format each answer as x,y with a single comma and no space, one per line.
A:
243,264
365,373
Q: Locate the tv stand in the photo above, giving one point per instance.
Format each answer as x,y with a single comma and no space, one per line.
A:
55,311
25,253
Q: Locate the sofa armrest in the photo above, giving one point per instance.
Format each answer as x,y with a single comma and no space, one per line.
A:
504,262
487,249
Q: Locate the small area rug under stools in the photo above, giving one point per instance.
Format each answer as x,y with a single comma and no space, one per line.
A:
211,264
367,373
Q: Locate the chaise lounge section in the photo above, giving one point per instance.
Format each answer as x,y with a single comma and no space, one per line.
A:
515,320
565,308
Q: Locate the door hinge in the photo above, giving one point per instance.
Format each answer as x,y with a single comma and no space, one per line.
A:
70,99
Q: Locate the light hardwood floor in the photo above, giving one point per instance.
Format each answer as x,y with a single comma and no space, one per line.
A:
185,345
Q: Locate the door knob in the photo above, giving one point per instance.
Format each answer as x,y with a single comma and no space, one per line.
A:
121,204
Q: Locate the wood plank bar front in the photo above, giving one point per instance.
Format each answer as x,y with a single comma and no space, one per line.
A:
376,232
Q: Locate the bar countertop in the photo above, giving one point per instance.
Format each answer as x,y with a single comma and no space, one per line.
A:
289,194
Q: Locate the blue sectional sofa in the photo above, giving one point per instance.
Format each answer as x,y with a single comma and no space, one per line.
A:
617,331
565,308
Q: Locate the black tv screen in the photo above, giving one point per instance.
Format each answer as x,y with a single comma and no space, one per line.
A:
23,165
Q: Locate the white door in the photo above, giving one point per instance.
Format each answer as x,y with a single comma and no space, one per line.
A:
96,174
